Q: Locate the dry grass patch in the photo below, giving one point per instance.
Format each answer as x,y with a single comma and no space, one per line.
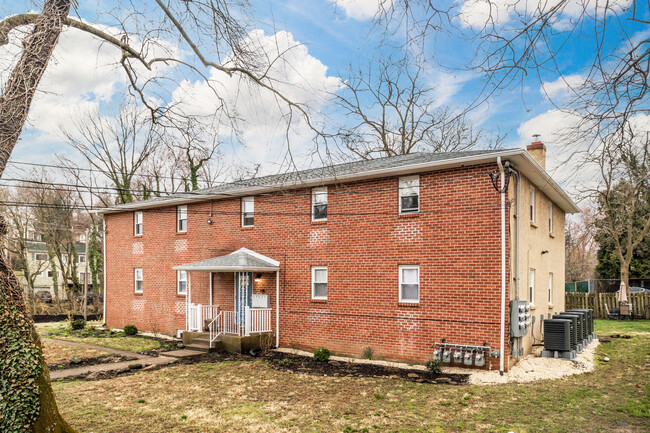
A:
251,397
55,353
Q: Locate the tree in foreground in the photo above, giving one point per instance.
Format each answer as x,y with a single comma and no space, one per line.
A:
27,401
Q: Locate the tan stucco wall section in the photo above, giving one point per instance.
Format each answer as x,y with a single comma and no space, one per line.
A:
534,238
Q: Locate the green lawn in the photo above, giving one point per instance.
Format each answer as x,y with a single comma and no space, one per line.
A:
251,397
120,341
619,326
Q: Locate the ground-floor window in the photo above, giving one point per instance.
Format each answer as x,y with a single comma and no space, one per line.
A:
531,286
409,283
319,282
181,286
138,280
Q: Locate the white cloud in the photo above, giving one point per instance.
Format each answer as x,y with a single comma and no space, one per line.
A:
446,86
562,87
298,76
362,9
479,13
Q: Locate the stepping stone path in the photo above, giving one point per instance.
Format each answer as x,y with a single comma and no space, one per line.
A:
141,360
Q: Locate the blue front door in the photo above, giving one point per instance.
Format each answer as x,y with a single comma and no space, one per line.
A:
243,295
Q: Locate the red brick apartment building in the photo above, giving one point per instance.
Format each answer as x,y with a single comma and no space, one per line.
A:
396,254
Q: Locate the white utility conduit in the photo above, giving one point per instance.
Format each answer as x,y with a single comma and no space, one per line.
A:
503,266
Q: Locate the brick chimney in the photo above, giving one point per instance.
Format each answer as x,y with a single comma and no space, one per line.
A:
538,151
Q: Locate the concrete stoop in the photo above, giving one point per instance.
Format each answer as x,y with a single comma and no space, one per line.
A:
200,342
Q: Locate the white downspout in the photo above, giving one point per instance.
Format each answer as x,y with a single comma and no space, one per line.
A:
277,308
211,290
503,267
104,253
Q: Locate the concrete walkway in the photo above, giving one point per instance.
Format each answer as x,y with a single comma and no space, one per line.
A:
144,360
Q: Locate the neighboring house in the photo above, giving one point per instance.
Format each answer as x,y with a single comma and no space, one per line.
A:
39,260
395,253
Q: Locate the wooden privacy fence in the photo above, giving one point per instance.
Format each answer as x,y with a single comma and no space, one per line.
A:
640,303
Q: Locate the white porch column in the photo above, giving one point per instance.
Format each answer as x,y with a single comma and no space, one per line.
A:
277,308
189,296
210,276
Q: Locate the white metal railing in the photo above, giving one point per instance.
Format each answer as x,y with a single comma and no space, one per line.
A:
256,320
199,314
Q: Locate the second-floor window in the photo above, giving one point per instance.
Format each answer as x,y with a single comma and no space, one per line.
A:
137,223
40,257
319,204
532,204
409,194
82,259
247,211
181,219
550,217
137,280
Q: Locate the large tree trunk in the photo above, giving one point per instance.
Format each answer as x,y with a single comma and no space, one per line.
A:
19,92
625,276
27,402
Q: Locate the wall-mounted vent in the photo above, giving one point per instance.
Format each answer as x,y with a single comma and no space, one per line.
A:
557,335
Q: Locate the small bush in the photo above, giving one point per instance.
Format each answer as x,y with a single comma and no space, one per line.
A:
78,324
434,366
367,352
130,330
321,355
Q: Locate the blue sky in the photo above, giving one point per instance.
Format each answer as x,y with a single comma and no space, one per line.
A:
332,37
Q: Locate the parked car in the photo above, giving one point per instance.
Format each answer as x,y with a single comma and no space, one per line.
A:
44,296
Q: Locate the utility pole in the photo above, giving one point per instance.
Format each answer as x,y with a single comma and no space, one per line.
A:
86,279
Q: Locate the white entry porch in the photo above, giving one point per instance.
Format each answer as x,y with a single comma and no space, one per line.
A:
245,313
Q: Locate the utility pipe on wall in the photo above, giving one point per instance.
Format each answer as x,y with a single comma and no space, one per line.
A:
503,266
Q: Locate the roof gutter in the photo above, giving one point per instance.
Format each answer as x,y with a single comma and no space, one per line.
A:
569,206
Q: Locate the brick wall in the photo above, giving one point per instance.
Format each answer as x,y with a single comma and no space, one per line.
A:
455,239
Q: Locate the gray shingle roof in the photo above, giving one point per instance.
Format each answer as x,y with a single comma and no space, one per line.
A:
296,178
241,260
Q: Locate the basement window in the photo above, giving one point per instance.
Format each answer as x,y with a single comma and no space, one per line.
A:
409,194
247,211
319,204
181,219
319,282
409,283
137,223
138,280
181,285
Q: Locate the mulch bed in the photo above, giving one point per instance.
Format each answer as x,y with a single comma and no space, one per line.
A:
297,364
82,362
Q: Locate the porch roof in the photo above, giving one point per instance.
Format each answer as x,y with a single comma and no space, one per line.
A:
241,260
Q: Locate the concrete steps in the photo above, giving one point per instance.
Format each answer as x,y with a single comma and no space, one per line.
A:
201,343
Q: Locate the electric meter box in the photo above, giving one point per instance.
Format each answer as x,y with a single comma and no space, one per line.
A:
260,301
518,318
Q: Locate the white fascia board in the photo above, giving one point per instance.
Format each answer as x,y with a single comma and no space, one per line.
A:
225,268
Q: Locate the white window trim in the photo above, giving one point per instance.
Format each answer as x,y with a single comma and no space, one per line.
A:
531,286
533,210
399,193
550,288
178,283
179,219
135,223
550,217
408,301
135,280
248,199
314,192
313,282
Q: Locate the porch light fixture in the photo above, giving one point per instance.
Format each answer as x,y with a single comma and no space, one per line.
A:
258,278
